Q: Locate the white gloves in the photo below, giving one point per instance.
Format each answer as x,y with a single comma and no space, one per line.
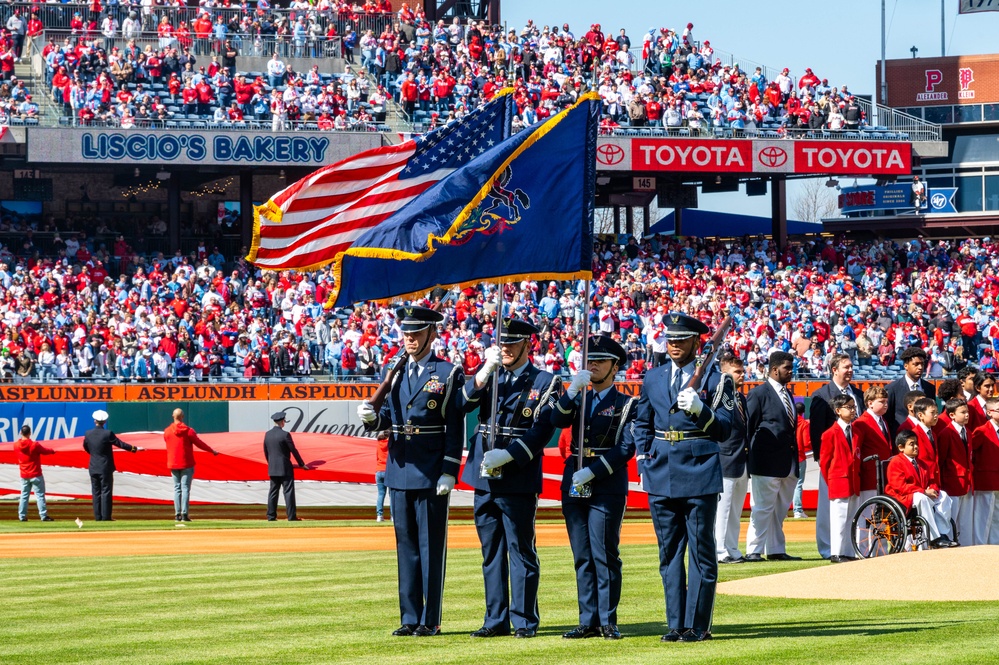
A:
689,401
495,458
445,485
579,382
366,413
582,477
489,365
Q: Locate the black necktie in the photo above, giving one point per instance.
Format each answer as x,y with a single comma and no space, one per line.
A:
964,437
915,465
849,436
677,381
884,429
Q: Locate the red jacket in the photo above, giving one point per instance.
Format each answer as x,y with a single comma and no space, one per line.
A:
978,417
28,457
180,441
928,452
985,457
381,454
954,458
839,464
903,482
870,441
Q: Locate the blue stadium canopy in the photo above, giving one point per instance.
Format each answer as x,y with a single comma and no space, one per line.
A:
708,224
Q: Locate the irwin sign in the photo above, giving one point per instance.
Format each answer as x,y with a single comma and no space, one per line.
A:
754,156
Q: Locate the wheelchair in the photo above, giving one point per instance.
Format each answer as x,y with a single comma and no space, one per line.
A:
883,526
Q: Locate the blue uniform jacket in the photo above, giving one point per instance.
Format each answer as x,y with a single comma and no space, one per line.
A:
690,467
607,439
526,405
416,460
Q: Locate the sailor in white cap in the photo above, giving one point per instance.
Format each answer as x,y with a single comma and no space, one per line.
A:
98,442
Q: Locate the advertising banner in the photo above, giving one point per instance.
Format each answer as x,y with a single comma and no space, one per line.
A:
47,421
193,147
960,79
754,156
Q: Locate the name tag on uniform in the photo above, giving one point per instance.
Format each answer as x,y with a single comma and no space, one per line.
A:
433,386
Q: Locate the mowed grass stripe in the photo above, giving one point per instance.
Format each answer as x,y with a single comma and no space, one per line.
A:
341,607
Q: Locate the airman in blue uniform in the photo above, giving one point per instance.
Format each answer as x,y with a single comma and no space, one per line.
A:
594,496
677,431
426,424
507,478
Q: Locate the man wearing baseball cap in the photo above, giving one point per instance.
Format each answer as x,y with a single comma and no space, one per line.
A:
98,443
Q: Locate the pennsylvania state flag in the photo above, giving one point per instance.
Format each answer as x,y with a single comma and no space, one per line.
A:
521,210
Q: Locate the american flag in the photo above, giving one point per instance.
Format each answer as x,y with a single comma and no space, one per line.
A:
310,223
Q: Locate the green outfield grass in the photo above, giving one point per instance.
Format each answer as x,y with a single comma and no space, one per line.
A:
341,607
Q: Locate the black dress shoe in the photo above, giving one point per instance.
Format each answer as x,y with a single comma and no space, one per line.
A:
836,559
272,519
47,519
405,630
674,635
581,632
610,632
694,635
729,559
847,559
489,632
426,631
753,558
525,632
782,557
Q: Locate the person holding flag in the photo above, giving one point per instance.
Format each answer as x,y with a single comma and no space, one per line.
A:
423,413
504,467
684,411
593,519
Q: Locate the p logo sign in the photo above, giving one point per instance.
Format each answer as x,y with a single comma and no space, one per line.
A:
934,77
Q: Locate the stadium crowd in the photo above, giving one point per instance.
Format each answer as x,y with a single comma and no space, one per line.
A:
435,72
87,311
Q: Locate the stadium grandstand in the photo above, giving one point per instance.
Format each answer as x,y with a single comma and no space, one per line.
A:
113,292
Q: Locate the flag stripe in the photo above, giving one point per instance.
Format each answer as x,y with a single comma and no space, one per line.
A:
332,204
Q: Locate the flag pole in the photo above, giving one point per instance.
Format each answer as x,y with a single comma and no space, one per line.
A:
584,491
493,419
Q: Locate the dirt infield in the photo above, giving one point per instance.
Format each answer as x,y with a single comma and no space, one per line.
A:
191,540
867,580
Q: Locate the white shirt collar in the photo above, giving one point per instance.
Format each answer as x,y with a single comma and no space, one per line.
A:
843,424
775,385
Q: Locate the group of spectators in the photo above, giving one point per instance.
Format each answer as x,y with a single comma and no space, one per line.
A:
89,311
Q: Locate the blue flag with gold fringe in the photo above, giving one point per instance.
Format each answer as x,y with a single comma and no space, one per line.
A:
521,210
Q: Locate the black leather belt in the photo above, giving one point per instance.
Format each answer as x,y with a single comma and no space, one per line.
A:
503,431
411,430
675,435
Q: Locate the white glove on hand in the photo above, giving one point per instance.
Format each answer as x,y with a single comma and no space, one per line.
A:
366,413
579,382
495,458
445,485
489,365
582,477
689,401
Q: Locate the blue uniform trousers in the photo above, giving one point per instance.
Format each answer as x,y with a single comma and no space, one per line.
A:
680,522
510,567
420,520
594,527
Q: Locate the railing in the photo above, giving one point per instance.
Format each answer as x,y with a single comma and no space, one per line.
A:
248,125
899,122
59,16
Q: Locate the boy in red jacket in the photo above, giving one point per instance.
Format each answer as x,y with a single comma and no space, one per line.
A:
912,482
841,470
28,458
985,476
873,438
954,457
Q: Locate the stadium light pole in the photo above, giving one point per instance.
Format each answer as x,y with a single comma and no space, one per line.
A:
943,33
884,79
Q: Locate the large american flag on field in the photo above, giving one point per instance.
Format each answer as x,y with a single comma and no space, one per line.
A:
310,223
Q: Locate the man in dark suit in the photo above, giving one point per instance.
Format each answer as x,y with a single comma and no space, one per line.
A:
821,417
593,515
735,477
99,442
914,361
773,459
423,413
504,467
677,431
278,449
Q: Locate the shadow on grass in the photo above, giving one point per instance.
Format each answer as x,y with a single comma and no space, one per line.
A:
796,629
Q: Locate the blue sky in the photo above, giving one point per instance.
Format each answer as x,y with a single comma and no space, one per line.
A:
839,40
